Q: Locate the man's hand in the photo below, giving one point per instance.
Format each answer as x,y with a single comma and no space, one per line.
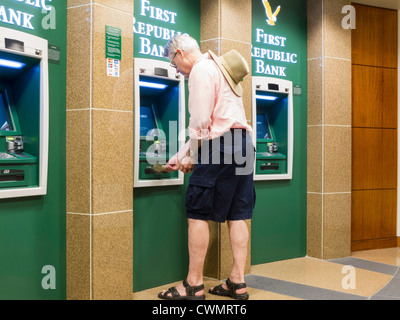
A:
186,165
182,160
173,164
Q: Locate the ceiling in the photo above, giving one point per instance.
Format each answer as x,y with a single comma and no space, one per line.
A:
389,4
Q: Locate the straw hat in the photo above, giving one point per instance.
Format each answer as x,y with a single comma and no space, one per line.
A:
234,68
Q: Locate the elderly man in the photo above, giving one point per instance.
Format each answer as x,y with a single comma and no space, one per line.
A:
220,156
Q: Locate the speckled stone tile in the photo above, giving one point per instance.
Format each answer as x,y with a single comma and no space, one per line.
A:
114,93
78,57
78,257
112,255
78,161
112,165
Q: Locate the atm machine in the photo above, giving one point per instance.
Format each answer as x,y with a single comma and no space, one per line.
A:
159,122
272,116
24,108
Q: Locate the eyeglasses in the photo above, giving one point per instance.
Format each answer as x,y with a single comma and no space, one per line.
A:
173,65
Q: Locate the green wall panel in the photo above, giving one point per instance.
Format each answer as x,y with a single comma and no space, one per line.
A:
280,51
32,229
160,253
160,236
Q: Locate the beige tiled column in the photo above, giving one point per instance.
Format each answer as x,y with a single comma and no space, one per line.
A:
226,25
99,154
329,131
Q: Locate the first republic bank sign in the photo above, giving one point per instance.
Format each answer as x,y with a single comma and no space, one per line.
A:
269,49
151,34
23,18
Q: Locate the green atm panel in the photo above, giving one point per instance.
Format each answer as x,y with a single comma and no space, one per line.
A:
159,119
153,146
273,132
17,168
23,114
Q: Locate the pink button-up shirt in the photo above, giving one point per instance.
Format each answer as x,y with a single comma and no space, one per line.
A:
214,108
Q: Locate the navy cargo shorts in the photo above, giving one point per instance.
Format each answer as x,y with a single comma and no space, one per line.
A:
221,184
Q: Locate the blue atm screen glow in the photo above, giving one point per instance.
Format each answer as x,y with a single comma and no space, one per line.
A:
152,85
263,127
147,121
5,124
11,64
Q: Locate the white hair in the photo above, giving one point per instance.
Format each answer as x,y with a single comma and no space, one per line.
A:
180,41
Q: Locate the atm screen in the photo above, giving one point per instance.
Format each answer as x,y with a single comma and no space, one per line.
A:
5,123
263,131
147,120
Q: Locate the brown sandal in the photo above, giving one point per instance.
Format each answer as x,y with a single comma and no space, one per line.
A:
190,293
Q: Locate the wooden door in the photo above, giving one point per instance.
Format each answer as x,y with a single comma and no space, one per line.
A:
374,128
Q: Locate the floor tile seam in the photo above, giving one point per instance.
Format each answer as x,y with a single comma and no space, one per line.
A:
300,285
331,261
307,286
395,277
388,264
336,263
397,274
373,262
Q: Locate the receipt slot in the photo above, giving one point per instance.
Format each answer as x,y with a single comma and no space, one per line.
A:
159,120
272,117
24,109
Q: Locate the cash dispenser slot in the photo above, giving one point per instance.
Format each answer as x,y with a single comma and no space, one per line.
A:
12,175
269,166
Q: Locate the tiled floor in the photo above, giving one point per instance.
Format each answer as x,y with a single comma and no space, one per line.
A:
373,274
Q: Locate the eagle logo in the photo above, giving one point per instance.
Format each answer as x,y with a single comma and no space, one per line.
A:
268,10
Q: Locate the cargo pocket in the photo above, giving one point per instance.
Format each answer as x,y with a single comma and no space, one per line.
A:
200,194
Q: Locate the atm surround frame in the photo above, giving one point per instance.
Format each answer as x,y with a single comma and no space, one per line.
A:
146,67
37,48
284,87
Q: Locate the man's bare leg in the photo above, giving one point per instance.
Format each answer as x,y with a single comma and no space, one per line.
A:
239,236
198,238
